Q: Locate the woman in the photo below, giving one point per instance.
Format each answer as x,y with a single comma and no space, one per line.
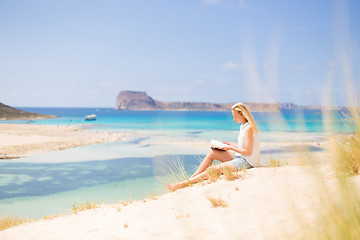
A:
235,157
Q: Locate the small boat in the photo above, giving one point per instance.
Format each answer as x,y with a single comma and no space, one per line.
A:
90,117
29,120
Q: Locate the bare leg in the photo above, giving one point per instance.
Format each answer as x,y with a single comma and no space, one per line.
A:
212,155
198,178
201,176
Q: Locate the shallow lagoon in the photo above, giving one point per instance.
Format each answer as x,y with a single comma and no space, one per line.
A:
50,183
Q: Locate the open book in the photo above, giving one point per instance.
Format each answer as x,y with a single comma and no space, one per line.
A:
214,144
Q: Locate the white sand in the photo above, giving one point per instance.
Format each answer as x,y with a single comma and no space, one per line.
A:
25,139
269,203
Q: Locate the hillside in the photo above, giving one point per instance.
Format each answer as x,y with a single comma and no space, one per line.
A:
133,100
10,113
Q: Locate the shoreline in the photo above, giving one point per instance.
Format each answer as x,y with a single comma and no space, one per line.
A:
23,140
18,140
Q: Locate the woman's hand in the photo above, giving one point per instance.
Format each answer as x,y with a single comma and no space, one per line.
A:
227,146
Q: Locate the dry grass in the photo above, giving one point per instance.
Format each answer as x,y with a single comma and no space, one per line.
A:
126,202
50,217
231,176
151,196
348,155
78,207
217,201
8,222
212,174
340,214
174,173
274,162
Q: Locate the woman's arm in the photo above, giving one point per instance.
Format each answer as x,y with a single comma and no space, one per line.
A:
249,140
231,144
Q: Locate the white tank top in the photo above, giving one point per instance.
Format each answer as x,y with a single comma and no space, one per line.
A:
254,158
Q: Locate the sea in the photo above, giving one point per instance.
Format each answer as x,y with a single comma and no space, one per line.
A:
157,144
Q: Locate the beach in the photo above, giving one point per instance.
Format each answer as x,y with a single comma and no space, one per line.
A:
276,201
25,139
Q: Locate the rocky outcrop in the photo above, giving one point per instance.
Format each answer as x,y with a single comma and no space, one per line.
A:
10,113
133,100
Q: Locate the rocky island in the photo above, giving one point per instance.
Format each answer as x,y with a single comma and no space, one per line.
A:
135,100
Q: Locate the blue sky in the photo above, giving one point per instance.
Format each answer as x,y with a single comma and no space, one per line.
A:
59,53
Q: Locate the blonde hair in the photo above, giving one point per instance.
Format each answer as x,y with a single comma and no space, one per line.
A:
244,110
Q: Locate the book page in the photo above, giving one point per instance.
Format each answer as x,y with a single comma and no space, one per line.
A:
217,144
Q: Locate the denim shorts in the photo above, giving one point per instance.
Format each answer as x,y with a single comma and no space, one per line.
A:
240,163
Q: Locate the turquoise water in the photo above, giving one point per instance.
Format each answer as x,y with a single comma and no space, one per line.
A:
40,189
108,118
50,183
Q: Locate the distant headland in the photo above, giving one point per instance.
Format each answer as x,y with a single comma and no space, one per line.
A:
10,113
136,100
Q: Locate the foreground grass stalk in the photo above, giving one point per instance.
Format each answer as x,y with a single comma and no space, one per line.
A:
8,222
174,173
340,213
348,155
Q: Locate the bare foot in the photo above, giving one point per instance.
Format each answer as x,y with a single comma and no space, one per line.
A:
173,187
193,175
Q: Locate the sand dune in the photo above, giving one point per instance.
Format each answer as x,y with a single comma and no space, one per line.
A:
268,203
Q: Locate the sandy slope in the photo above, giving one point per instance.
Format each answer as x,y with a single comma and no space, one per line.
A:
269,203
